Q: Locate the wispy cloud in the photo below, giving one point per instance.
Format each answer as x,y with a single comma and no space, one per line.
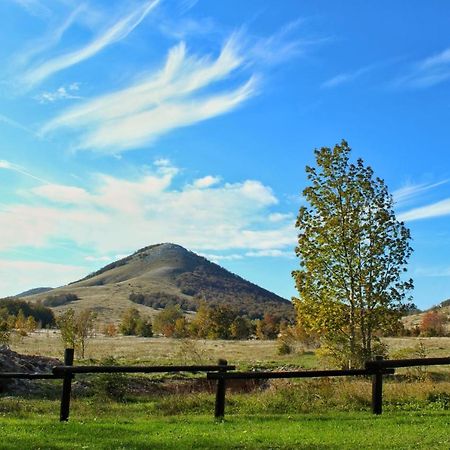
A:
17,276
280,46
51,39
114,33
34,7
62,93
161,102
6,165
100,218
347,77
428,72
15,124
432,271
412,191
437,209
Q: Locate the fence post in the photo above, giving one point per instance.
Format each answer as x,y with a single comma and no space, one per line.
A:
219,411
67,386
377,389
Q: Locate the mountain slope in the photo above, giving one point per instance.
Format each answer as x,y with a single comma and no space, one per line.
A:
168,273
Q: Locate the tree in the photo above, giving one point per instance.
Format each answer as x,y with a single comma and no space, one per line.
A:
241,328
268,327
85,325
76,329
353,252
129,322
5,329
433,323
144,327
165,320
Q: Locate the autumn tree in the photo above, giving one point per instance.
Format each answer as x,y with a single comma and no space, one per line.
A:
164,322
76,329
353,252
133,324
433,323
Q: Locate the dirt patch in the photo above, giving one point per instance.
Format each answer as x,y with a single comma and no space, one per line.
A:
11,361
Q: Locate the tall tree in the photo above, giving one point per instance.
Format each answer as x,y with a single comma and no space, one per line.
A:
352,252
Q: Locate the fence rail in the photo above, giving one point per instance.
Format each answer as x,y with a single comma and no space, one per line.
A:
376,368
221,373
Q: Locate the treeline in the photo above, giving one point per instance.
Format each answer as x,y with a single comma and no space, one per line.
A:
210,322
23,317
38,311
244,302
60,299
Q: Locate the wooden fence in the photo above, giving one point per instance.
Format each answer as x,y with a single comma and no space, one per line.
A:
376,369
221,372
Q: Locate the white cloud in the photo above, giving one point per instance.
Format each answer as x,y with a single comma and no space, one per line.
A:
280,46
280,217
412,191
62,93
16,168
429,72
119,216
15,124
19,276
114,33
275,253
206,182
161,102
49,40
347,77
438,209
34,7
93,258
218,258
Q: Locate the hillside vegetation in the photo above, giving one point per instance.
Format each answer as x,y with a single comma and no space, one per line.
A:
163,274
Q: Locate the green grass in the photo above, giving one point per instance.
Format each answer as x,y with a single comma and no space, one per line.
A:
325,431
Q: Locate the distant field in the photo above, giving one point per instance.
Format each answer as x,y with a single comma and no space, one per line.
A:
159,350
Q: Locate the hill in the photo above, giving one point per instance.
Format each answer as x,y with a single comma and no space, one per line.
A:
166,274
34,291
414,320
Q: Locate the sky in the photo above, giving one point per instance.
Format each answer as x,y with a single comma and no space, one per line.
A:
125,124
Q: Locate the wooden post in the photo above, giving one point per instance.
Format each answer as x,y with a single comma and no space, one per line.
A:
377,389
219,411
66,387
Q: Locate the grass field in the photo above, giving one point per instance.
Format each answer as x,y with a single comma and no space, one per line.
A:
145,412
163,350
133,429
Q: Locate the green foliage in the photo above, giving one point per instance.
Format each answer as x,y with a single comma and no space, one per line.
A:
76,329
133,324
352,253
164,322
5,329
60,299
38,311
211,283
242,328
220,322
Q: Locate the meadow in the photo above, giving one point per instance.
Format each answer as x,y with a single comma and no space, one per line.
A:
138,411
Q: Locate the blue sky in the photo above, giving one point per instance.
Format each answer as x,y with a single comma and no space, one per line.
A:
124,124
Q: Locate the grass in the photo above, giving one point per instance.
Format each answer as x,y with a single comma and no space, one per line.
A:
136,430
131,349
